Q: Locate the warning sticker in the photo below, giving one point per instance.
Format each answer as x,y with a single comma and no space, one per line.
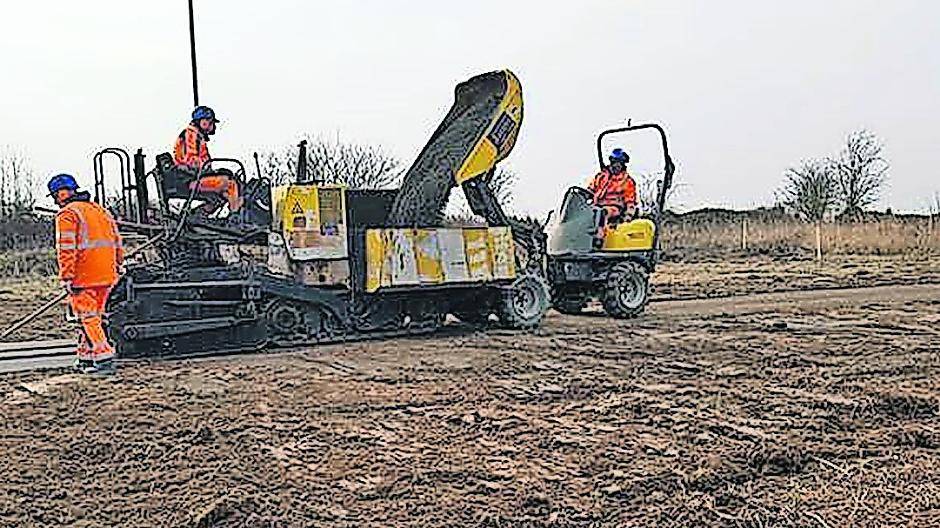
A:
297,209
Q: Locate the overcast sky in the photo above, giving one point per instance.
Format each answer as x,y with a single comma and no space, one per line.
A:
744,88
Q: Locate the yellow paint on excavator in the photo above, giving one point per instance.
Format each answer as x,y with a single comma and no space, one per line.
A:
500,137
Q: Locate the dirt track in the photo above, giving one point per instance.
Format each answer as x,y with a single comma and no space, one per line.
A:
811,409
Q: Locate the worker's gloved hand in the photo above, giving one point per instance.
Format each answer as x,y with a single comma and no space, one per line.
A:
631,212
69,288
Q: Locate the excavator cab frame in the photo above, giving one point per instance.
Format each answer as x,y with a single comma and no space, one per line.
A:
614,267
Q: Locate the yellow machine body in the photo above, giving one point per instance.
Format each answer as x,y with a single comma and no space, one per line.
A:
500,137
308,239
410,257
312,220
636,235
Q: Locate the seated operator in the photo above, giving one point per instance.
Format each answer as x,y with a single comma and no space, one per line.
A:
191,152
615,191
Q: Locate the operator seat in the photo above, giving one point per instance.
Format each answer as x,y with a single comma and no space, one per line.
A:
174,183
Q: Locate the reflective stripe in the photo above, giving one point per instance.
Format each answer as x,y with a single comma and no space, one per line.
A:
67,246
94,244
86,241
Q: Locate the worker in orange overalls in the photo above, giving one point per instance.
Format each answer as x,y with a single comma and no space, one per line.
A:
614,191
90,254
191,152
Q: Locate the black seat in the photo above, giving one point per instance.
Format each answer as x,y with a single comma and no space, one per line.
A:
175,182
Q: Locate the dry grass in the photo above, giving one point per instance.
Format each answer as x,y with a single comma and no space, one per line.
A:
27,263
687,240
741,275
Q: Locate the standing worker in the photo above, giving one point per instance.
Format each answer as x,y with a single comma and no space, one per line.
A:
615,191
191,152
90,254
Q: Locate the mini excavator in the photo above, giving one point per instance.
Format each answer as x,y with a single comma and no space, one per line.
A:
308,262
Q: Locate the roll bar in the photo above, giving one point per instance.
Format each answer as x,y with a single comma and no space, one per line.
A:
669,168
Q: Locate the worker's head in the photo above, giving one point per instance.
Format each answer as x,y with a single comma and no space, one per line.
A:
62,187
204,118
618,161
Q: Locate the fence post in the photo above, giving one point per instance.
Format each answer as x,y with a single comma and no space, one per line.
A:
929,230
744,234
819,241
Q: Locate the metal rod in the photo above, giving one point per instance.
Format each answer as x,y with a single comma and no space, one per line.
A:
192,52
59,298
36,313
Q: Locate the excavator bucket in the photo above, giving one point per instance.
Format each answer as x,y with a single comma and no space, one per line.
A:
479,131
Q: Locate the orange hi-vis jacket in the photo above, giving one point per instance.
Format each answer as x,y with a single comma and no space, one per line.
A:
613,189
191,149
88,245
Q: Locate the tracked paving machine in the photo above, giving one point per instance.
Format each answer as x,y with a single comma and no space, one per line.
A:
307,263
614,267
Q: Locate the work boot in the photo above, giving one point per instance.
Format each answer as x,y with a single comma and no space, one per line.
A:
82,364
103,368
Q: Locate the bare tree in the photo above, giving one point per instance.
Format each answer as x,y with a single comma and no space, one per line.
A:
810,190
19,229
861,172
352,164
501,183
647,190
16,183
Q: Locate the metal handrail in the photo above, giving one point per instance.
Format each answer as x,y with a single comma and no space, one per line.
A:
128,186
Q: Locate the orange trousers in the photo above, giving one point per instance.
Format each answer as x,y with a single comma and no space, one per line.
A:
222,185
88,306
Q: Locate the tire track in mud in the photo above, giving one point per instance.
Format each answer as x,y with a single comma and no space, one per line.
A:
689,416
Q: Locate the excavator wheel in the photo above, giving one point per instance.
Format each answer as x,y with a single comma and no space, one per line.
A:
523,305
627,290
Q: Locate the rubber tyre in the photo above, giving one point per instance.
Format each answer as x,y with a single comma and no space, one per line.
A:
523,305
569,303
627,290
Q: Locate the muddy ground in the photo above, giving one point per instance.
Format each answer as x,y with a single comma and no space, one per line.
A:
794,409
673,280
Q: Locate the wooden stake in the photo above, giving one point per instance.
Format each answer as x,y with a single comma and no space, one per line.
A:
744,235
819,241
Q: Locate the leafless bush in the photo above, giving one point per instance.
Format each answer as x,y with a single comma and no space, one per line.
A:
19,229
861,173
810,189
501,182
16,183
358,166
647,190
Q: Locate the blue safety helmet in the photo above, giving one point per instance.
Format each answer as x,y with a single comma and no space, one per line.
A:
62,181
619,155
204,112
